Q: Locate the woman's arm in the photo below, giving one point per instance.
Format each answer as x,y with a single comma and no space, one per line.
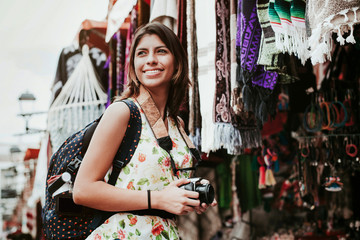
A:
90,189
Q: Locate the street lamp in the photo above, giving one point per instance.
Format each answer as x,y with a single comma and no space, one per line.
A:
26,101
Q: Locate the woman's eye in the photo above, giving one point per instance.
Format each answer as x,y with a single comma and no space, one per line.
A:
162,51
140,53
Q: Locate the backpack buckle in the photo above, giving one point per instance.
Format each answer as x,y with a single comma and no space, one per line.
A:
74,165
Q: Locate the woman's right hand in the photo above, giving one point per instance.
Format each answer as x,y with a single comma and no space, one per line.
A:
176,200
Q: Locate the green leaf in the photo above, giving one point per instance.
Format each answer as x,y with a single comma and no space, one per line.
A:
122,224
165,184
130,216
163,178
126,170
158,237
131,164
139,188
155,150
165,234
181,153
131,234
114,235
142,181
137,232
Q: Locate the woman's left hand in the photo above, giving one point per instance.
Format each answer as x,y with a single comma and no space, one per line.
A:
203,206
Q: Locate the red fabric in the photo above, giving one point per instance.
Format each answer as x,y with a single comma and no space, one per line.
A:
273,126
31,153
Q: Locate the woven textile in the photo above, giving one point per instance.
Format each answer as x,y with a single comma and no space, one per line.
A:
268,53
325,17
194,98
287,18
248,45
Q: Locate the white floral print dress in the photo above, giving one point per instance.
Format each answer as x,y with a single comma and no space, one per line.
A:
149,168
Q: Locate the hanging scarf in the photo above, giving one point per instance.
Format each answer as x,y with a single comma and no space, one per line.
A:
268,53
206,37
129,38
248,44
165,12
287,18
327,17
226,135
257,83
194,98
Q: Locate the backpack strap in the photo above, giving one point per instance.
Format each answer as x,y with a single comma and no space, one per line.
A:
158,127
129,142
122,156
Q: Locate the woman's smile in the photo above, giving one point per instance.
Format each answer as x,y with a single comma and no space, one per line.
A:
153,62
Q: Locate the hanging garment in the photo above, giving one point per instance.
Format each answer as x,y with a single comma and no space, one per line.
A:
248,45
287,18
327,17
154,174
226,135
165,12
246,183
194,125
117,15
206,39
81,100
69,58
129,37
268,53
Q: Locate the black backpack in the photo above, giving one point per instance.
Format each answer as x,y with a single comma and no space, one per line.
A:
62,218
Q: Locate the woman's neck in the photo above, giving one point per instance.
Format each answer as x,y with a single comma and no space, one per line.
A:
160,100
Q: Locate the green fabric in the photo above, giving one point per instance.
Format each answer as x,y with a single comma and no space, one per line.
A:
268,54
247,183
223,172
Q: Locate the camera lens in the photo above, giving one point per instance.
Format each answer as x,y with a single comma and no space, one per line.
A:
206,193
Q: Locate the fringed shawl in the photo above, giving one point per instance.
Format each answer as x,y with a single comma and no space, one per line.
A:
326,17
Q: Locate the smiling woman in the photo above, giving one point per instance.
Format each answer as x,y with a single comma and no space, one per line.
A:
147,195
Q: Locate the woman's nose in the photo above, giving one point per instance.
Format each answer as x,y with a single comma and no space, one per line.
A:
151,58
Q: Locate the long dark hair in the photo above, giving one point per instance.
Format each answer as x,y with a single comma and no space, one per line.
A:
180,81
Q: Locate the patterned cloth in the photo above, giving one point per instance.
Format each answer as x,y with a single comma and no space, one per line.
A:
149,168
287,18
325,17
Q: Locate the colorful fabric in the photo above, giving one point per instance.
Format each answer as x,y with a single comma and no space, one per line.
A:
194,97
327,17
268,53
129,38
165,12
287,18
149,168
248,45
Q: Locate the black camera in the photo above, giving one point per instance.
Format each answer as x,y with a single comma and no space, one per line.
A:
206,191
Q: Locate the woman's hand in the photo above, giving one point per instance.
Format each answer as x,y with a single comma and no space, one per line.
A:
203,207
176,200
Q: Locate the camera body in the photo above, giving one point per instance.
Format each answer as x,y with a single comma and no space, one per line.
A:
206,191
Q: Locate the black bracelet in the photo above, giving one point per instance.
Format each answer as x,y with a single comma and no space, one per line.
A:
149,199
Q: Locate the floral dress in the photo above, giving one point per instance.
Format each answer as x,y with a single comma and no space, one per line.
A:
149,168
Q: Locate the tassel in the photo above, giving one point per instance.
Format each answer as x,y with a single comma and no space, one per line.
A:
269,178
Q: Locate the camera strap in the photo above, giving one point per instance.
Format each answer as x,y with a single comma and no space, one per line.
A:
158,127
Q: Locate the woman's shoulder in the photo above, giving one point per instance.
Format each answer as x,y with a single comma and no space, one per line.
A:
117,111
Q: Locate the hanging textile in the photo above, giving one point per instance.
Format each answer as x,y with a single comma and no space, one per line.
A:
69,58
143,7
165,12
182,23
246,183
226,135
287,19
117,15
129,38
194,98
327,17
206,39
268,53
81,101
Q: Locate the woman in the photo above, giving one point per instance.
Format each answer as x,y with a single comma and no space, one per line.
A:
157,66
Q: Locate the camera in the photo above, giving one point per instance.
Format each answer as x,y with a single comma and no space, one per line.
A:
206,191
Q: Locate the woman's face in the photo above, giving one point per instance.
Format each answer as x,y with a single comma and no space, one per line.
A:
153,62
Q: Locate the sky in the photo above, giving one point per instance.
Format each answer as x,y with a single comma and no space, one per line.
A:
32,35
